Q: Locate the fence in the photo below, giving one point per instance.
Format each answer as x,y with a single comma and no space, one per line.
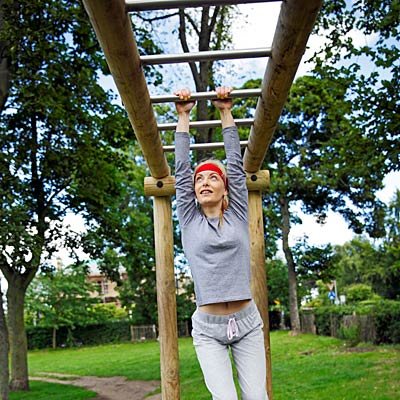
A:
355,327
109,332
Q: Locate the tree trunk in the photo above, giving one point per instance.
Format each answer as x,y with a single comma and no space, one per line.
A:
4,373
293,304
54,339
18,342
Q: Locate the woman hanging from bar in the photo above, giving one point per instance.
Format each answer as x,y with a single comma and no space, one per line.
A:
212,206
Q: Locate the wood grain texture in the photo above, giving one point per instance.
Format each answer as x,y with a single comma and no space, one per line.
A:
166,299
258,181
259,287
114,33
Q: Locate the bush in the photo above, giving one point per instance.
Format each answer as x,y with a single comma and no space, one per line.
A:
350,334
39,337
358,292
382,317
387,321
327,319
108,332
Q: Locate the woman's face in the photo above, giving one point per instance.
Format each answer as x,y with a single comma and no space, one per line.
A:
209,188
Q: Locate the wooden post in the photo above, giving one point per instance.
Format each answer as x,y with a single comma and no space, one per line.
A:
166,299
259,287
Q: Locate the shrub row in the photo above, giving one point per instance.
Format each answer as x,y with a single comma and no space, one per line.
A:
382,318
108,332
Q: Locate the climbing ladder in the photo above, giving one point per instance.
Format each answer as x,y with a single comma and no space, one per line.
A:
111,22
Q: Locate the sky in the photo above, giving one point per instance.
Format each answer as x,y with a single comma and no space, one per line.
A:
255,28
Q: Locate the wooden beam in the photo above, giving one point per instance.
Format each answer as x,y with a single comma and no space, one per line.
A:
114,32
259,287
258,181
294,26
166,298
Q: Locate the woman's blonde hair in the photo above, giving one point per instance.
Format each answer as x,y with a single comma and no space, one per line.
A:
225,200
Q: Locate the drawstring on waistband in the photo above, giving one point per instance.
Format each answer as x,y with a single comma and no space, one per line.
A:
232,329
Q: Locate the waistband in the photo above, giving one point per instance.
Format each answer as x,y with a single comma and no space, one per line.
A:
224,319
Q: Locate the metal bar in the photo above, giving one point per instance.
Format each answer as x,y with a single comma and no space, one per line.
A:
203,146
146,5
205,55
205,124
244,93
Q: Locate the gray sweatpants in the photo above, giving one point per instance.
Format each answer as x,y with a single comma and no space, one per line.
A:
213,335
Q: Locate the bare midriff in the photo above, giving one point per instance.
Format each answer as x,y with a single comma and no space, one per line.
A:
226,308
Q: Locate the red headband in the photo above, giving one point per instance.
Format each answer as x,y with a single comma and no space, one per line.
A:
212,167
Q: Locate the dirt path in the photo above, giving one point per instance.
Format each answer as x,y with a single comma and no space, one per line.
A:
111,388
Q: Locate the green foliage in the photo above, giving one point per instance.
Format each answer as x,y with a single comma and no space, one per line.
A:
350,334
385,316
360,261
358,292
46,391
87,335
373,89
60,298
328,318
387,321
104,312
277,280
185,303
313,264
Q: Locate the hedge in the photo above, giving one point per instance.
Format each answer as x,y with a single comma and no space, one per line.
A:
108,332
387,321
383,317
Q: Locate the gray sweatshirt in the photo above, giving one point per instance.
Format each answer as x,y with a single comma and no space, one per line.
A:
219,256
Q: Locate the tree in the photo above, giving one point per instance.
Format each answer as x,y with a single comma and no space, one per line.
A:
4,64
60,298
4,374
361,261
201,29
373,65
357,262
319,160
389,284
277,279
123,238
62,145
313,264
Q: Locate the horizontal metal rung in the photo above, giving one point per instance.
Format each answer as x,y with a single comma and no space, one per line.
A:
244,93
205,124
144,5
204,146
205,55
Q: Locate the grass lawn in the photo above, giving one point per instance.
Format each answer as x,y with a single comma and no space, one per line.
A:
305,367
52,391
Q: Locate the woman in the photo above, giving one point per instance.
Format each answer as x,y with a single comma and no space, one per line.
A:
215,240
